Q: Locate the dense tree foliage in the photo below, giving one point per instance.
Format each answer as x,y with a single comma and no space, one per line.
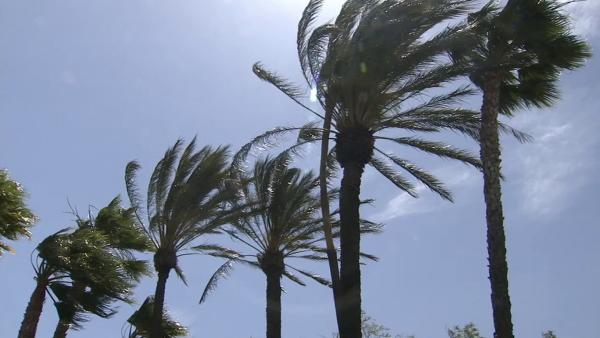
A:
15,216
87,269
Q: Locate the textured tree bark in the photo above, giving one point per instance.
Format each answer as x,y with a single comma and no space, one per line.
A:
350,302
273,305
61,329
159,302
34,308
496,240
332,258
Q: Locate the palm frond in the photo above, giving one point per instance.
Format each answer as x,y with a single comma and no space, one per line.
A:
292,91
308,18
222,272
424,177
393,176
312,276
437,148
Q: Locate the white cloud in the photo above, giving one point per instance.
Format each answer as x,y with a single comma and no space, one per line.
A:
403,204
585,15
557,165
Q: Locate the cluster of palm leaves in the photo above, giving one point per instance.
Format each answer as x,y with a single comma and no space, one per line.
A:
87,269
15,217
383,73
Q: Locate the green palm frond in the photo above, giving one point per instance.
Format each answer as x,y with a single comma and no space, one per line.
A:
317,278
424,177
222,272
393,176
121,228
267,140
307,20
294,92
15,216
437,148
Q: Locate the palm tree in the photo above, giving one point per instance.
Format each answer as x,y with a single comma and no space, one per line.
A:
517,64
76,268
140,323
281,224
372,72
119,227
15,217
185,201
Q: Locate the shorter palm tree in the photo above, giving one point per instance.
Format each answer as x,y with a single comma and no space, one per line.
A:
281,223
15,217
125,237
185,201
82,272
140,323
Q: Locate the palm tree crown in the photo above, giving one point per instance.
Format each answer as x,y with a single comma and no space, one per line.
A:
119,228
373,70
526,45
186,199
281,220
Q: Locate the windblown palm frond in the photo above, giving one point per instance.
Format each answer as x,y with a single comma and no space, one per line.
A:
15,217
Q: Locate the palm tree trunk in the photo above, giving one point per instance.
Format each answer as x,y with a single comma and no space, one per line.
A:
34,308
61,330
496,240
324,194
273,305
159,302
350,251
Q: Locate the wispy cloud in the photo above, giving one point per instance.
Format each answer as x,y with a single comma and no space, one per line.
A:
403,204
585,16
553,169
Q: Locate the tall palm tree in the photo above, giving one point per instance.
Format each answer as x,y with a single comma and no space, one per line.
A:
517,63
140,323
185,201
119,227
75,268
282,224
15,217
372,72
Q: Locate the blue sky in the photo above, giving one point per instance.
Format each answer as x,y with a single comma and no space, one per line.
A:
86,87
